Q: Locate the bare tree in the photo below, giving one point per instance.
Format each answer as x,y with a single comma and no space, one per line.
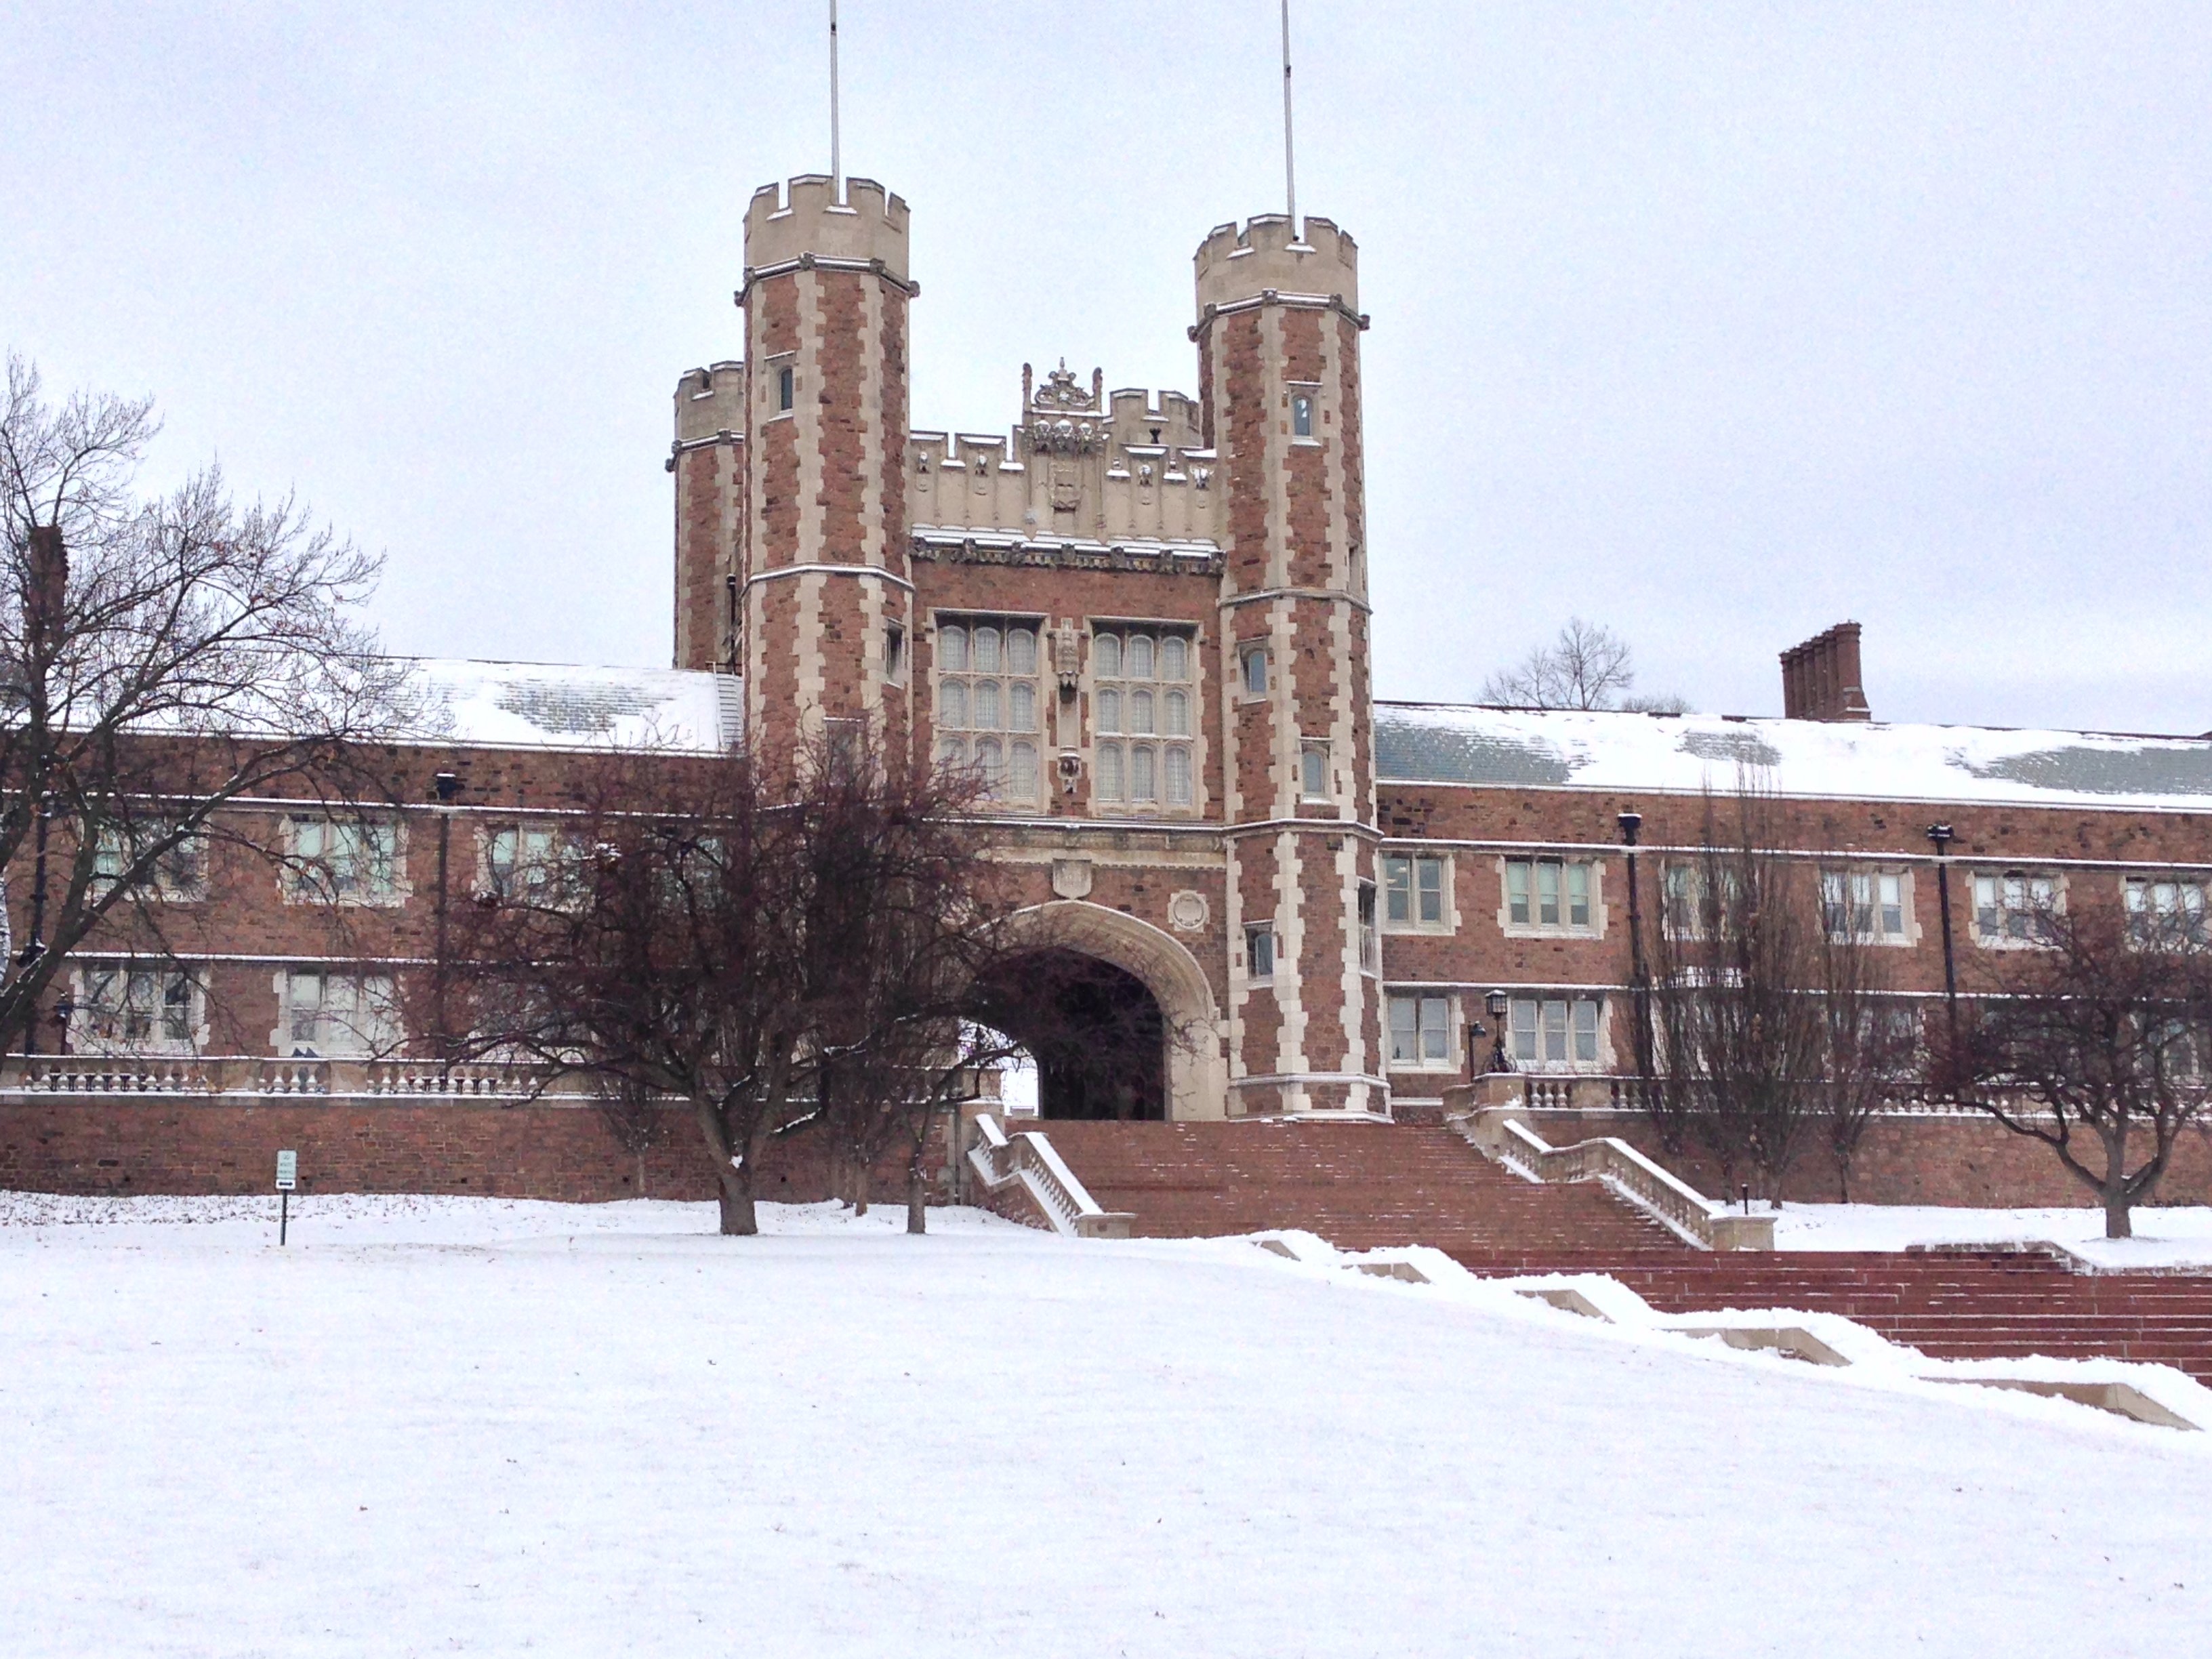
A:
1771,1008
773,948
2092,1039
1872,1035
162,660
1588,666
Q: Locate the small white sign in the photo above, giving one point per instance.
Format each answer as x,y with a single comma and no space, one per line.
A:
288,1171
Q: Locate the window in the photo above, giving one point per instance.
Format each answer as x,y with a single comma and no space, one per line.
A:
894,653
1413,894
1140,717
1252,670
125,1009
1552,893
351,860
1302,413
2010,908
987,702
786,389
1686,905
1312,771
1863,905
1370,947
522,861
2166,911
1420,1031
339,1015
179,873
1260,952
1555,1033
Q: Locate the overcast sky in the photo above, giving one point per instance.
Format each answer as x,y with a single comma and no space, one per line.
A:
1716,324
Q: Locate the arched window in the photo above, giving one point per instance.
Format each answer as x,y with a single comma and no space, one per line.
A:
1109,710
1174,658
1177,707
1177,759
1140,656
987,650
953,648
952,706
1140,712
1022,781
1142,786
1106,657
1107,785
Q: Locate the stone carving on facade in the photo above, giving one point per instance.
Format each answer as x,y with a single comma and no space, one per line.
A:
1066,663
1071,877
1188,912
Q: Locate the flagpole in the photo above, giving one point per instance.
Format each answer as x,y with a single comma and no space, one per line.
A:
1290,165
837,161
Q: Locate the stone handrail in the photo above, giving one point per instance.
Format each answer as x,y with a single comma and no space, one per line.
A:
214,1076
1498,1133
1028,1158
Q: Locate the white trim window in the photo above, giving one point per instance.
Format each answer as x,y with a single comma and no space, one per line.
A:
1872,906
345,860
1260,952
987,695
1314,770
341,1016
1303,400
529,861
2167,910
1370,944
1142,709
2010,908
131,1008
1420,1034
1555,1033
180,874
1416,893
1551,895
1252,670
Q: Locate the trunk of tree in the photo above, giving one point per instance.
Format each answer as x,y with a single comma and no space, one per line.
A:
641,1173
860,1173
917,1212
739,1218
2118,1222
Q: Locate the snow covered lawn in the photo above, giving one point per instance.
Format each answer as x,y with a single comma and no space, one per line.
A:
2167,1236
453,1426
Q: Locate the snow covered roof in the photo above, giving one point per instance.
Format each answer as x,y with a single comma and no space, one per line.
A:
1684,754
556,706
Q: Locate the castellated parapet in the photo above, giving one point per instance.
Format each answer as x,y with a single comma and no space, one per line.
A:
784,222
1235,265
710,401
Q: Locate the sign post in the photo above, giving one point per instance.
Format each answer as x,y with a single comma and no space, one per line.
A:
287,1177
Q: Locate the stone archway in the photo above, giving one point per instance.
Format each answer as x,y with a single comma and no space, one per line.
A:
1191,1034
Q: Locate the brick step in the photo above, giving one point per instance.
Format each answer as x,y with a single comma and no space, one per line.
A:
1361,1186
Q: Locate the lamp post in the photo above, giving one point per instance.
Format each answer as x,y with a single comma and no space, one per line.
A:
1499,1059
1939,837
1639,981
444,786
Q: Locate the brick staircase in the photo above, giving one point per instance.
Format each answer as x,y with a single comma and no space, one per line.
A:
1361,1186
1950,1305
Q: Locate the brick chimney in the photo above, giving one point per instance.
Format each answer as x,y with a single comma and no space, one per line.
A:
1820,678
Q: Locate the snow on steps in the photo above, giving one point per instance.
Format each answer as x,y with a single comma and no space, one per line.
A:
1948,1304
2144,1391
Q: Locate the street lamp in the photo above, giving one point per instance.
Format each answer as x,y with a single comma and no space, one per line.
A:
1939,837
1499,1059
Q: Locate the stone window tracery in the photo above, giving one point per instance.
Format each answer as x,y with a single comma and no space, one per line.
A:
1141,707
987,702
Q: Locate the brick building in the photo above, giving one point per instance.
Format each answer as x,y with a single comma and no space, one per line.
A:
1145,616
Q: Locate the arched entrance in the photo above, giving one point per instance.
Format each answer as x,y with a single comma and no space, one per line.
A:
1117,1014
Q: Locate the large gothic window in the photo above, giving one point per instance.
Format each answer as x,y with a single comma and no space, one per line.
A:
987,702
1142,709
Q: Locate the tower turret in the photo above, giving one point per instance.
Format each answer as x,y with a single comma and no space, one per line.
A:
824,598
1278,335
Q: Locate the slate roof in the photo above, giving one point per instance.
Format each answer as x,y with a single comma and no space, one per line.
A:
1684,754
531,704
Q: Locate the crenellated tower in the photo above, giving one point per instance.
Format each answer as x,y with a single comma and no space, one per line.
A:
823,601
1278,335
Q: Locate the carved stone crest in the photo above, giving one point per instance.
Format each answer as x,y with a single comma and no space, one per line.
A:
1071,877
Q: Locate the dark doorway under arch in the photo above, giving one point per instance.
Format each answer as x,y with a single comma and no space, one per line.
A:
1095,1033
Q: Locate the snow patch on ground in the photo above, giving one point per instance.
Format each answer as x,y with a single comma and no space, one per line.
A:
480,1426
2166,1235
